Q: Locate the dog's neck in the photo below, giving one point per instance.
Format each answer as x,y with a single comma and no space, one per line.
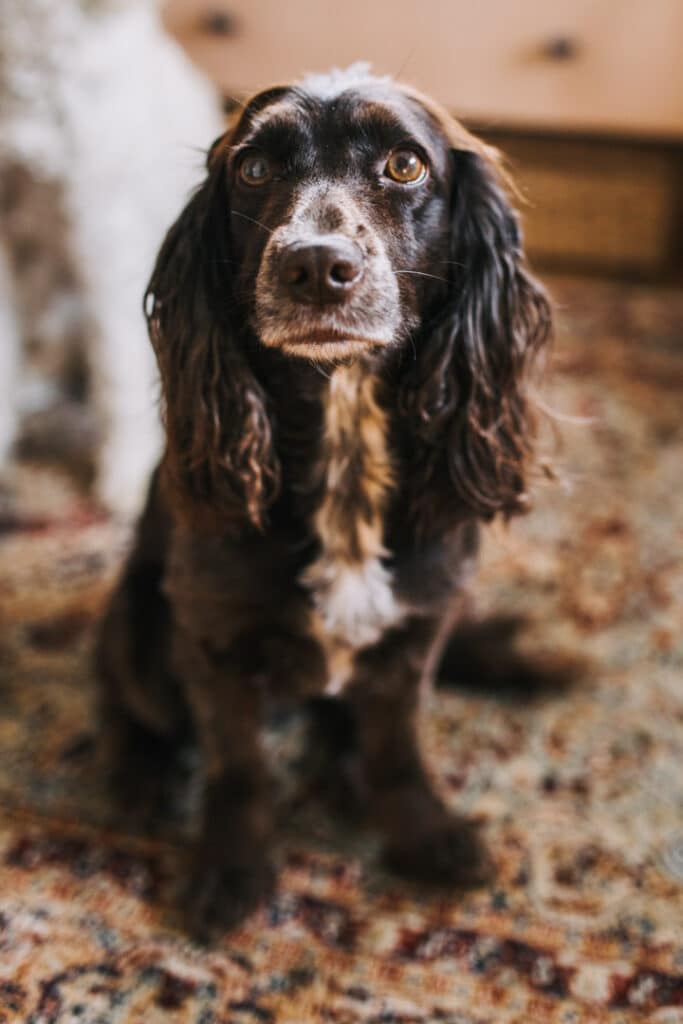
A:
351,588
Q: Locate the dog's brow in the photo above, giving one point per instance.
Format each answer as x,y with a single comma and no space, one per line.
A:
383,120
280,138
374,112
279,124
283,113
267,100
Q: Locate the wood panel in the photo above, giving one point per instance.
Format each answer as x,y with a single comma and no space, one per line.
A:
597,205
578,65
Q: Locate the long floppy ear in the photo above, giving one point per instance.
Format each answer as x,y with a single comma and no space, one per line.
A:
466,391
219,459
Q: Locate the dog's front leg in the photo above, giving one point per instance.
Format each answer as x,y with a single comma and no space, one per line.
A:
423,839
230,872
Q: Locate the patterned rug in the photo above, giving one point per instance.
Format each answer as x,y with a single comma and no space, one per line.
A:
579,792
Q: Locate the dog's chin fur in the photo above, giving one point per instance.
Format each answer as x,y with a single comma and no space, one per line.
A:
328,351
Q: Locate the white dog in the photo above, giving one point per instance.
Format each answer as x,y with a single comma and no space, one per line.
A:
100,101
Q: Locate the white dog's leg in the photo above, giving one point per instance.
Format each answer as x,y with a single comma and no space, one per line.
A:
125,390
142,118
10,356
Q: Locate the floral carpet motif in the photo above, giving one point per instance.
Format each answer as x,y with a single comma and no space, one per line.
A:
579,792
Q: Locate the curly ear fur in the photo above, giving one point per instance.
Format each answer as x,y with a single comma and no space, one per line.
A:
466,391
220,459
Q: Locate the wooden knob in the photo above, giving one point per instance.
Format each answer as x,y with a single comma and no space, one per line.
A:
219,23
561,48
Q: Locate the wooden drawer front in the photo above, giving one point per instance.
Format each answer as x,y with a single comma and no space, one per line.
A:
570,64
596,205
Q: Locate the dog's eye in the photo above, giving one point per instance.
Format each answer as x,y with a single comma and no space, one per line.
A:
255,169
406,167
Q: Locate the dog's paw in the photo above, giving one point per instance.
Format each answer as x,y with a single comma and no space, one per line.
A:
220,895
449,854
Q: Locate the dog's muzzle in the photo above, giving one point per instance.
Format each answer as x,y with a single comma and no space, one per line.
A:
325,288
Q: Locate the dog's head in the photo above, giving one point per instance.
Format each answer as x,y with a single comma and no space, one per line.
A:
347,217
351,180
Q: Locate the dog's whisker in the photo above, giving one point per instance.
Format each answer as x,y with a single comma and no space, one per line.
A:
235,101
199,150
421,273
320,369
411,339
260,224
406,62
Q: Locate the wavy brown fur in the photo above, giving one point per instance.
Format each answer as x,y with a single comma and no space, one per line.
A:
465,394
220,457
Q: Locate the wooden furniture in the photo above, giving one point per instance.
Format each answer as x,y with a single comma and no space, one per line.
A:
599,205
586,96
595,65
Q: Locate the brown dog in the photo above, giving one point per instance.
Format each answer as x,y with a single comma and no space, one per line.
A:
343,322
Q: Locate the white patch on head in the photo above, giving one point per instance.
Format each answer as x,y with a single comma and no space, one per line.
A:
330,84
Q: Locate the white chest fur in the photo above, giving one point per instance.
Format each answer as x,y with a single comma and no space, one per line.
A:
352,591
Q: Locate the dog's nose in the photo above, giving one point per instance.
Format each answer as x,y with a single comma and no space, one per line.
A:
325,271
